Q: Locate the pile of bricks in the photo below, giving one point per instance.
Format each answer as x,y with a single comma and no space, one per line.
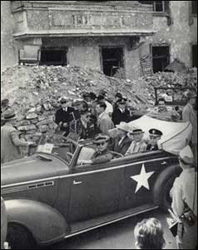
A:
34,91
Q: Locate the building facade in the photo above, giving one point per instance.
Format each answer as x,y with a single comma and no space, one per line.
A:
120,38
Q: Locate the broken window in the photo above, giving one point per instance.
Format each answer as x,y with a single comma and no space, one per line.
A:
194,7
160,57
53,56
112,61
194,55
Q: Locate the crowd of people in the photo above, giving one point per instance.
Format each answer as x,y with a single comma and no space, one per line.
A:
92,117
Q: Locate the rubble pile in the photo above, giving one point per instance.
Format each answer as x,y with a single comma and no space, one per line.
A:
34,91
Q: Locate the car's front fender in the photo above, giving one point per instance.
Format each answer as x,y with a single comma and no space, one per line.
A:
45,223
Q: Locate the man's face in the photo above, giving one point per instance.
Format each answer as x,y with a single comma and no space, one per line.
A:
99,109
85,117
138,137
161,105
154,139
102,146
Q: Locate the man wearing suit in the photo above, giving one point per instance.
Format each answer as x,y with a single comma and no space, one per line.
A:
137,145
122,141
155,136
104,121
121,113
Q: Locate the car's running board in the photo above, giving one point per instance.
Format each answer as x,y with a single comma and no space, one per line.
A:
85,226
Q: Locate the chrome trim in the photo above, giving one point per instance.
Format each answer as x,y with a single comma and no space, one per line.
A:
77,182
110,222
109,169
80,174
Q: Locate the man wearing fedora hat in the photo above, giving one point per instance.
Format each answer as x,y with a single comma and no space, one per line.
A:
10,141
155,136
190,115
137,145
184,201
122,141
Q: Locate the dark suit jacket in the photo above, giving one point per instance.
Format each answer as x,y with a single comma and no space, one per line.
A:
151,148
118,116
65,117
123,147
102,157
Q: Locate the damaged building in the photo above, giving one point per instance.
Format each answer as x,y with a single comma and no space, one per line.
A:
126,39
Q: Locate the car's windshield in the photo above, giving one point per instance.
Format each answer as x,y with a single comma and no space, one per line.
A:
86,153
57,145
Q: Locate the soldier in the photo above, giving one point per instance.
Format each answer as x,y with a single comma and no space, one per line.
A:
65,115
184,201
122,113
155,136
137,145
102,154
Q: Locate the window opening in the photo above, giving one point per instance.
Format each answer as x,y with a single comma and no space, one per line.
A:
160,58
112,60
53,56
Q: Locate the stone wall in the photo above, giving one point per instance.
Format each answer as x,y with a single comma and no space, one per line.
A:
8,46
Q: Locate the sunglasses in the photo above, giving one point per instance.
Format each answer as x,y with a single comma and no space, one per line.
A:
101,143
63,102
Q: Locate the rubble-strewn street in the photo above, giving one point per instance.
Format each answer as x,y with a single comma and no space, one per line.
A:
34,91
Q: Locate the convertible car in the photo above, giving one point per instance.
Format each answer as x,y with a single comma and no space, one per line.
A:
51,196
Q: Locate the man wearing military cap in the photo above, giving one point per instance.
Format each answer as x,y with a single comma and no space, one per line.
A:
184,201
10,141
102,154
121,113
155,136
65,115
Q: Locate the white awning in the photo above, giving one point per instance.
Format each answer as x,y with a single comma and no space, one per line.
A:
176,135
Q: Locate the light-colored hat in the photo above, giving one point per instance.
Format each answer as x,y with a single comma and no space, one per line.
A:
124,126
9,114
137,131
186,155
191,94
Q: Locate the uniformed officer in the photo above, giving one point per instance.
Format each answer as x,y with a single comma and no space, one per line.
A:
155,136
184,201
102,154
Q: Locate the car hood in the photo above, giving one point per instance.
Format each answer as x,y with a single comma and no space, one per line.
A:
36,167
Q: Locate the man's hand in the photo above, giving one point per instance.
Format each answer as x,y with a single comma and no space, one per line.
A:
65,125
81,162
32,144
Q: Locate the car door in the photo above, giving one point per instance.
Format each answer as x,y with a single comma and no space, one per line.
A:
95,191
137,183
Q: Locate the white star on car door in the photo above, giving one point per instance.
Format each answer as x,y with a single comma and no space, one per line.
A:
142,178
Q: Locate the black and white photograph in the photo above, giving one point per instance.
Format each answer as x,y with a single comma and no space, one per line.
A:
98,124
